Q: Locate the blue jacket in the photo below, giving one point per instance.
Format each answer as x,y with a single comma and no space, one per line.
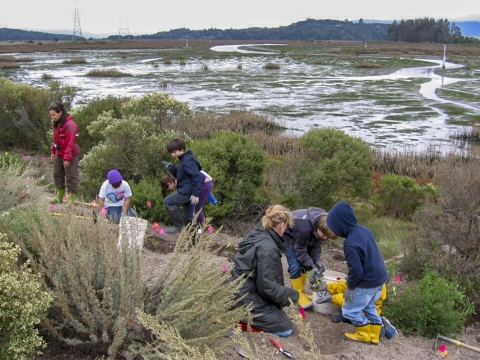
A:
303,237
364,259
189,178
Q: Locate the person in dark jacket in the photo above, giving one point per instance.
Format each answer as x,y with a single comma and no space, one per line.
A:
189,185
259,260
64,153
304,245
366,277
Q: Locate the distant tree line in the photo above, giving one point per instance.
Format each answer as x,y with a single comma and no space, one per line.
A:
426,30
308,30
7,34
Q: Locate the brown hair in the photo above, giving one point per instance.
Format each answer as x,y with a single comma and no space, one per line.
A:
176,144
164,181
323,227
275,215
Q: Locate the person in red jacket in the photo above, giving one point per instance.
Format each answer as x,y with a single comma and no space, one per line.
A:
64,152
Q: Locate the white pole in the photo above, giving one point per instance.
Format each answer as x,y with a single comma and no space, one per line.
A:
444,55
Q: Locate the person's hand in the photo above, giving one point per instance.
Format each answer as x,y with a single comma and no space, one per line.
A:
52,157
348,296
320,267
314,276
194,200
168,165
66,164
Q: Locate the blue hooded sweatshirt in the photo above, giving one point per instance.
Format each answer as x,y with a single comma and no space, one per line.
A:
364,259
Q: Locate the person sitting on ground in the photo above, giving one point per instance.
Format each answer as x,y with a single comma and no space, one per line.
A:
259,260
334,293
189,185
114,195
366,277
304,245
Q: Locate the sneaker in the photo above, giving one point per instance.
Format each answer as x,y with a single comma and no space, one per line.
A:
390,330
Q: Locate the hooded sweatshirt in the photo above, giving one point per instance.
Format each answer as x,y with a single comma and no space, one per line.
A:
65,140
364,259
189,178
259,260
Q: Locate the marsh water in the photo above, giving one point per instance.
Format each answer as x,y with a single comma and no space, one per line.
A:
411,108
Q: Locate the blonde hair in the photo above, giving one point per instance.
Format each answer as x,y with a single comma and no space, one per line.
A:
275,215
323,227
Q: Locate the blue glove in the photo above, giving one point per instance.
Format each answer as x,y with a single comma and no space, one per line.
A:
168,165
348,296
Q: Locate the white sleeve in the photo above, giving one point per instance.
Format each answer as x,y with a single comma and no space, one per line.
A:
128,190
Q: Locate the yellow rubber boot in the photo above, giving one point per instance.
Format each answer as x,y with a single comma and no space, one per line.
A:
361,335
304,279
59,198
303,301
375,330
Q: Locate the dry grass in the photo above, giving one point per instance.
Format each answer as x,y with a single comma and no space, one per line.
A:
271,66
9,65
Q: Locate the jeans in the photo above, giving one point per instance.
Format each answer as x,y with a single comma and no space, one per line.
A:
176,199
284,333
363,301
294,266
207,189
115,212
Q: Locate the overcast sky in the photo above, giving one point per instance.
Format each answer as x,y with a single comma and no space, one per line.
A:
150,16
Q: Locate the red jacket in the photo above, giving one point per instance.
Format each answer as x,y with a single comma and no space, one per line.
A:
64,140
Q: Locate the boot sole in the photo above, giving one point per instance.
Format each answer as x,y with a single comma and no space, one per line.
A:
357,341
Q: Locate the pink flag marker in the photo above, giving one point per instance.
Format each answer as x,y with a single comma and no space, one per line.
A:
155,226
224,268
149,204
104,211
302,312
398,277
52,207
161,231
43,158
93,203
210,229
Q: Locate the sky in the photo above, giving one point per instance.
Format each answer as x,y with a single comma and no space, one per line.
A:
108,17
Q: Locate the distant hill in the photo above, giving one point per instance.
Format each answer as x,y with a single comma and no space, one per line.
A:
303,30
7,34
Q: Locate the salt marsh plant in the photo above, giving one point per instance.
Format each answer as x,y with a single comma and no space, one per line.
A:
107,73
75,60
271,66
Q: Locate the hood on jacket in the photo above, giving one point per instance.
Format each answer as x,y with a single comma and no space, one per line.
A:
341,219
258,234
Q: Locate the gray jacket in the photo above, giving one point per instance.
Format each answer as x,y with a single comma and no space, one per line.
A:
303,237
259,260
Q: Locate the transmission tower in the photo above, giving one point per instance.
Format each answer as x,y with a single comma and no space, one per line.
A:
77,29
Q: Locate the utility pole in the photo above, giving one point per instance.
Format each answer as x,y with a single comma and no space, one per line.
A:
444,55
77,29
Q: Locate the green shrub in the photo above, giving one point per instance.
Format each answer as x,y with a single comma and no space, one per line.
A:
334,166
432,306
96,285
24,116
22,305
195,289
400,196
85,115
236,164
149,189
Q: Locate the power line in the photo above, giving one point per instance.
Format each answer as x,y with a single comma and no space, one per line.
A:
77,29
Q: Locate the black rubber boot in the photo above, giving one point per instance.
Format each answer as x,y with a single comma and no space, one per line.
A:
338,318
176,215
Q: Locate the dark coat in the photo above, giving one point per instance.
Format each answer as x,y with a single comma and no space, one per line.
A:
303,237
364,259
189,178
259,259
